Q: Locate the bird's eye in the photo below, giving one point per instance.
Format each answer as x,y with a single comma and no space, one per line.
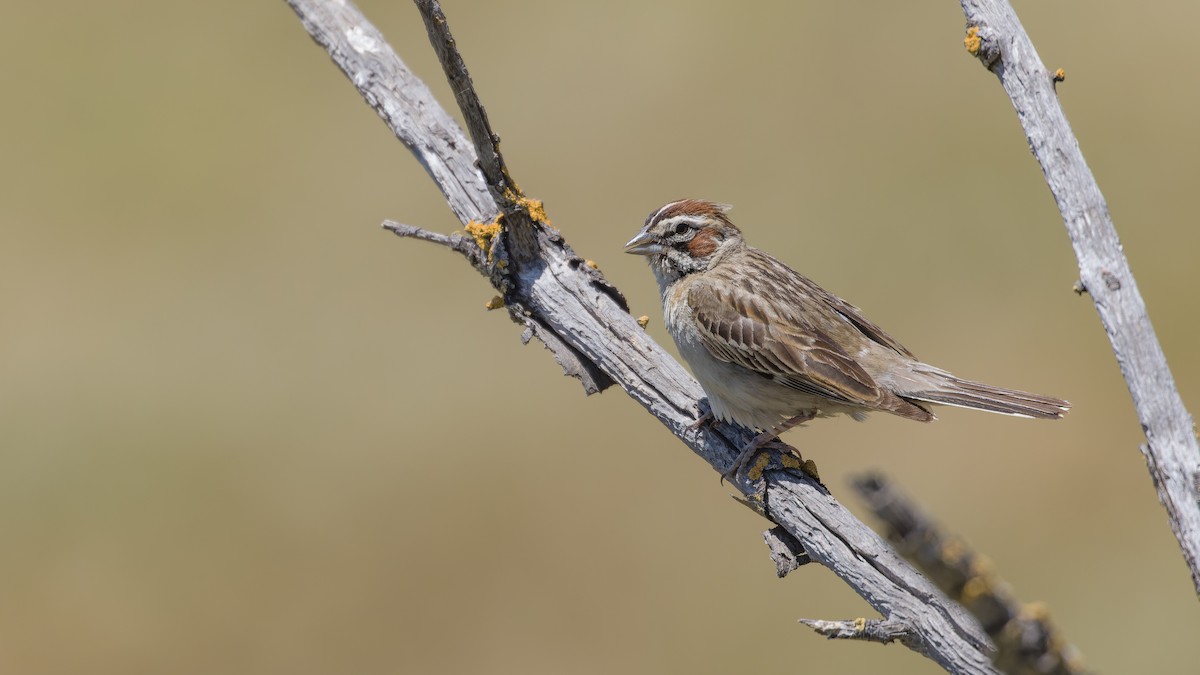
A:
682,228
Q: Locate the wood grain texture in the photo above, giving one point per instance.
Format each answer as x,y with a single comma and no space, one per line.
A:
996,37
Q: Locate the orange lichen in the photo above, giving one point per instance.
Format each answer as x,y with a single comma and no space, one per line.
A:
495,303
973,42
1059,76
953,551
484,233
534,208
1035,611
975,588
761,461
643,320
810,467
981,565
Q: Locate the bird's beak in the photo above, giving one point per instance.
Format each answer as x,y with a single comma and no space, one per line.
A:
643,244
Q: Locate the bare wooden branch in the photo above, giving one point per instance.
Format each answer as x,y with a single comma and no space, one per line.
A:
454,241
870,630
416,118
868,565
1027,643
521,226
787,551
996,37
585,321
403,101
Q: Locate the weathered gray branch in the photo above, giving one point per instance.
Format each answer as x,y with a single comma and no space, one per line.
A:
1027,643
787,551
403,101
868,630
996,36
584,320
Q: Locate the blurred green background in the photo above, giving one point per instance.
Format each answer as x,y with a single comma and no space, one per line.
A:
244,430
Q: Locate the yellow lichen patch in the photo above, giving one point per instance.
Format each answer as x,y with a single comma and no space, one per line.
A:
953,551
810,467
1035,611
534,208
761,461
790,461
860,625
973,42
484,233
981,565
495,303
976,587
643,320
1060,75
592,264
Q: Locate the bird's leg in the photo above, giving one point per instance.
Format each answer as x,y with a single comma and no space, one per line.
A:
763,439
701,421
704,418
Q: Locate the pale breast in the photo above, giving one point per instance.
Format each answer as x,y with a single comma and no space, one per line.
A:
735,393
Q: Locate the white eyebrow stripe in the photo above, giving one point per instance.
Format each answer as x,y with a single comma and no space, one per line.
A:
664,208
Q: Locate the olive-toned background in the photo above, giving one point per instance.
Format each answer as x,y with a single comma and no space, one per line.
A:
243,430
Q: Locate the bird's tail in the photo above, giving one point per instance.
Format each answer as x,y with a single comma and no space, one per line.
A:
950,390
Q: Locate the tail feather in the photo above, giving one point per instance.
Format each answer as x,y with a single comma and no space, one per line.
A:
953,391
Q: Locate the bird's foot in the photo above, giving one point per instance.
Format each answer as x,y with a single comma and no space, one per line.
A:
766,439
706,418
747,453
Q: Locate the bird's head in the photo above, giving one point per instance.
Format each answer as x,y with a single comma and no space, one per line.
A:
685,236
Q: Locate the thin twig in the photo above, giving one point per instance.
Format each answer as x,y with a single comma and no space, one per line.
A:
870,630
996,37
414,232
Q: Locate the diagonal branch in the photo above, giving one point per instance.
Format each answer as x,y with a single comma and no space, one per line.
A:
568,304
427,130
996,37
403,101
1027,642
520,224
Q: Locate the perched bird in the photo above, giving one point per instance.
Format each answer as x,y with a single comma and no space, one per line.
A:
772,349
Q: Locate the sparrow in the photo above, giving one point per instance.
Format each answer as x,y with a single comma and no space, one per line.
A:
772,349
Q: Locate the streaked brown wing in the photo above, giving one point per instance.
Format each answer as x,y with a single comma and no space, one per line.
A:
852,314
735,328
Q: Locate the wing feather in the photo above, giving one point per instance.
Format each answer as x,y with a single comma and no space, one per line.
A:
736,328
